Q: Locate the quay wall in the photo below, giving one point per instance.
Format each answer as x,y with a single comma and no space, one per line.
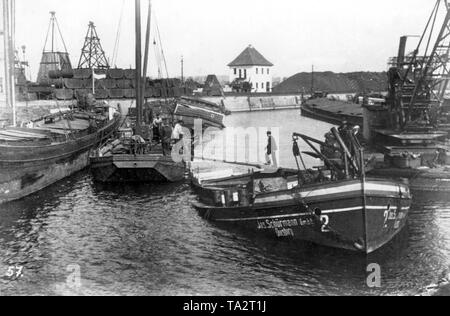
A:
267,102
250,103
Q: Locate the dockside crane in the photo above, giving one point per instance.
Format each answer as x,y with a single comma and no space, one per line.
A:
418,81
92,54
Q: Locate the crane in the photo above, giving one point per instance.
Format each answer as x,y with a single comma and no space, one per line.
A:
418,81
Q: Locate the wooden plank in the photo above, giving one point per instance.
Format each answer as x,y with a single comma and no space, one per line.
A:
413,136
8,138
24,134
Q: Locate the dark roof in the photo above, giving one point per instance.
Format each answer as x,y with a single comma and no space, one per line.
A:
250,57
212,82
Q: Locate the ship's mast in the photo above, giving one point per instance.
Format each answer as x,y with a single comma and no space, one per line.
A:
6,50
182,69
139,94
9,54
147,47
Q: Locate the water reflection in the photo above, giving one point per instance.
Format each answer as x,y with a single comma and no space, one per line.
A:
148,240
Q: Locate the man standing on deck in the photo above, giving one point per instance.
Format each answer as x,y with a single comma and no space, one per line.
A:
180,149
157,125
271,151
166,137
177,133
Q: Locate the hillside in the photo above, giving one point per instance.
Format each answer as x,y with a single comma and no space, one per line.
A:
334,83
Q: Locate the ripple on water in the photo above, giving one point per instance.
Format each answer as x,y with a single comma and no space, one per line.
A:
131,240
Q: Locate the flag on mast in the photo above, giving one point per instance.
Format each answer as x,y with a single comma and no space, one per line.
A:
96,77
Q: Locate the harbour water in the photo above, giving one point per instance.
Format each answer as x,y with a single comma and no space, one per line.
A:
148,240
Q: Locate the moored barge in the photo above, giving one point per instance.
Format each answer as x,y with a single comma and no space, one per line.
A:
336,206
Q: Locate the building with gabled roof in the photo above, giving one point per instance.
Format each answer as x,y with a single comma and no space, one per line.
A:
253,68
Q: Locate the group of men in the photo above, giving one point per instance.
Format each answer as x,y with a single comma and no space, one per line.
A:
165,134
168,136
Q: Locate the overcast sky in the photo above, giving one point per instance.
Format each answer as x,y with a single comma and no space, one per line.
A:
340,36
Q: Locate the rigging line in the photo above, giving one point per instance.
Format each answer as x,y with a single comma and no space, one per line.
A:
158,59
118,34
147,40
60,34
48,34
161,46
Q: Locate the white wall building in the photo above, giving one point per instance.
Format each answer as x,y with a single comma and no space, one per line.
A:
254,68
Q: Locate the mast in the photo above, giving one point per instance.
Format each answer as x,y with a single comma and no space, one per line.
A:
12,60
6,50
138,66
147,48
182,69
8,37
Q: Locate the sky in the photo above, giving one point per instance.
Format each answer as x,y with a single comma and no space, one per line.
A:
339,36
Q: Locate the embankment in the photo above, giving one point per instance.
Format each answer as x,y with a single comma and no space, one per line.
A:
249,103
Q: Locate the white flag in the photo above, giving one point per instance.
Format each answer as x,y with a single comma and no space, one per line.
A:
97,77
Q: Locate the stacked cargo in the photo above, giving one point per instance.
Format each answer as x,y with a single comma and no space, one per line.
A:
118,84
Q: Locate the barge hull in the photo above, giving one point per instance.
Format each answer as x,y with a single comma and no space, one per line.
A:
136,169
26,170
338,220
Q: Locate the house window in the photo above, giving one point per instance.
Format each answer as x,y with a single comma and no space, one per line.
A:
240,73
257,71
245,73
235,71
262,71
257,86
262,85
268,71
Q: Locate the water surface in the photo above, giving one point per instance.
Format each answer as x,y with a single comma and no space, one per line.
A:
148,240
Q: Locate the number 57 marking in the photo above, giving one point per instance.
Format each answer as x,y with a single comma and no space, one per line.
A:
14,271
